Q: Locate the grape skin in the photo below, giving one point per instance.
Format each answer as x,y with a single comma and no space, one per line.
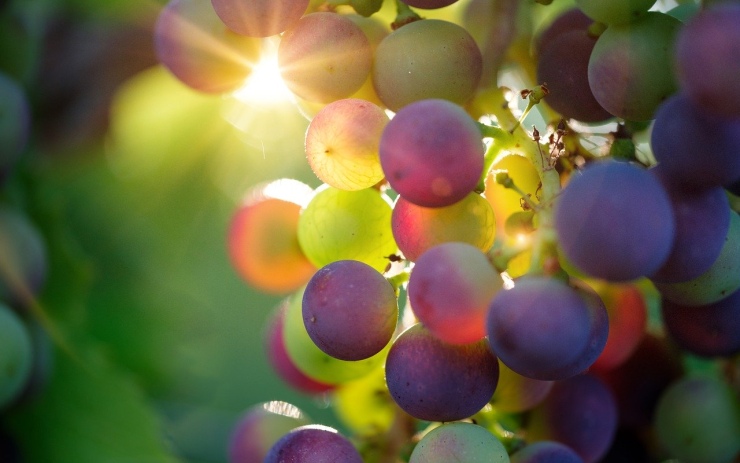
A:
570,20
15,124
516,393
24,258
313,443
459,442
432,153
429,4
545,452
16,356
259,18
615,12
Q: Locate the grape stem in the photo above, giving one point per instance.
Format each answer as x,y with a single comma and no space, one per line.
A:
404,15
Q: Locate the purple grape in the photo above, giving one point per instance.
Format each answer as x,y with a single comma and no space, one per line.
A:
711,330
570,20
545,452
580,412
702,222
350,310
615,221
435,381
694,146
259,18
432,153
563,66
313,443
542,328
429,4
708,59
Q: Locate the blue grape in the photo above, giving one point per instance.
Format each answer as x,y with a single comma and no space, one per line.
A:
313,443
545,452
615,221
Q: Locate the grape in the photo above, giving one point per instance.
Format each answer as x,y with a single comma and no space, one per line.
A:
191,42
312,361
570,20
506,201
339,225
711,330
516,393
324,57
459,442
693,146
262,238
615,221
313,443
435,381
698,420
615,12
631,67
418,228
545,452
450,288
702,222
708,59
426,59
563,66
24,259
260,427
15,122
429,4
350,310
16,356
342,144
364,405
432,153
580,412
721,280
280,361
259,18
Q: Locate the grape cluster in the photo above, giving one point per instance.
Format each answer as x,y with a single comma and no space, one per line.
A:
463,288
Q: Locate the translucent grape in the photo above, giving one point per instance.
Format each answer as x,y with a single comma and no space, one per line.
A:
450,288
417,228
602,230
313,443
193,43
15,122
615,12
364,405
355,225
16,356
259,18
516,393
23,259
350,310
631,67
506,201
342,143
459,442
324,57
435,381
426,59
432,153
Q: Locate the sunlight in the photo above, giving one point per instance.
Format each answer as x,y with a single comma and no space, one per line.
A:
265,85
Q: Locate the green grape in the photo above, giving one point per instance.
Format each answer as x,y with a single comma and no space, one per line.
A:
339,225
614,11
459,442
364,405
15,355
721,280
311,360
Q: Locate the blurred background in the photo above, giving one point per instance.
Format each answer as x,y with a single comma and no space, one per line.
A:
155,345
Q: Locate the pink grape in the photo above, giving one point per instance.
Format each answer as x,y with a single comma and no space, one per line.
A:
259,18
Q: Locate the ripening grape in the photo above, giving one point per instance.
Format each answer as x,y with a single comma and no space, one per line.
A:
613,12
516,393
570,20
426,59
364,404
580,412
506,201
23,259
698,420
708,59
450,288
614,221
545,329
15,122
194,44
259,18
262,238
418,228
324,57
432,153
350,310
459,442
718,282
693,146
435,381
545,452
429,4
313,443
342,143
631,67
260,427
339,225
16,355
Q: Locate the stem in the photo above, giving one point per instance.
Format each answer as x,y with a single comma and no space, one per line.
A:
404,15
399,279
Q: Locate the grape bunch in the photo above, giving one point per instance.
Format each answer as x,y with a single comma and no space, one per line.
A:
525,245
